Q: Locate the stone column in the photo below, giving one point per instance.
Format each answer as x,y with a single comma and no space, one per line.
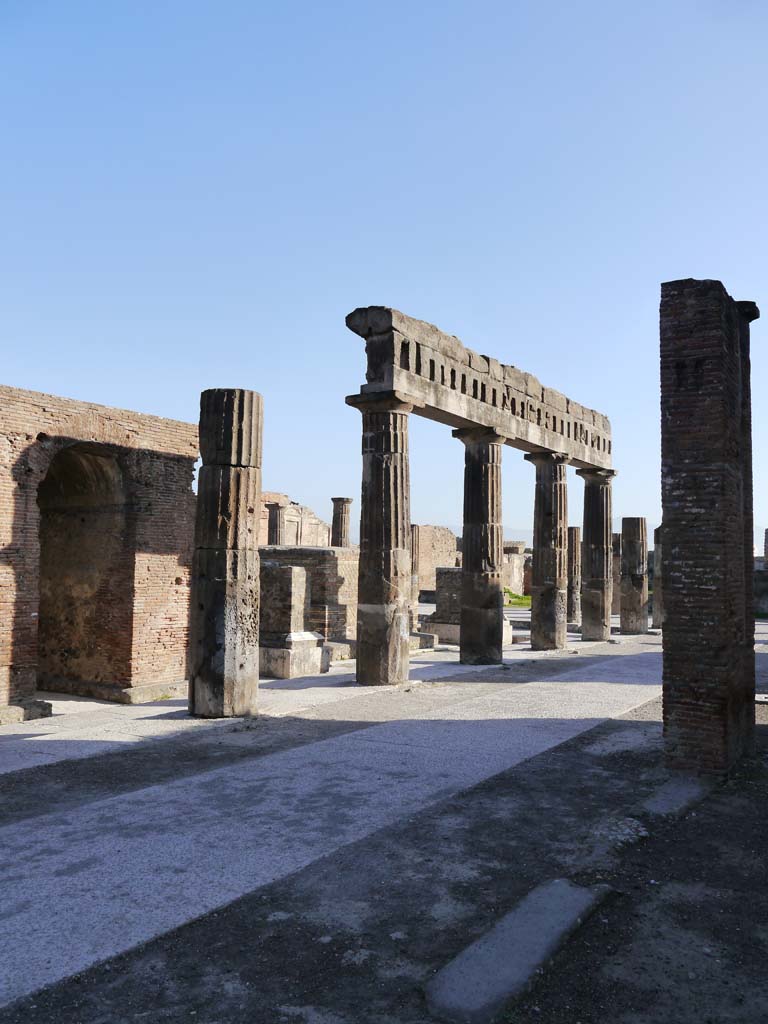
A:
573,610
384,574
224,601
598,554
765,550
616,599
482,600
549,584
276,523
634,576
415,588
658,593
340,522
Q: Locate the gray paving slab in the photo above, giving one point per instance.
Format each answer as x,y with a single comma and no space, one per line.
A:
486,976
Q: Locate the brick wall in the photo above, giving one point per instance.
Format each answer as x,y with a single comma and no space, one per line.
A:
332,585
707,507
437,548
115,587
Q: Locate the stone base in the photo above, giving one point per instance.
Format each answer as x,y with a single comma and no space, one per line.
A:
423,641
143,693
11,714
449,632
292,662
339,650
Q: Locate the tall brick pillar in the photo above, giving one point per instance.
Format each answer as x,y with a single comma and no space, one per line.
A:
384,581
224,602
573,607
549,583
482,599
634,575
658,575
340,522
275,523
597,554
709,710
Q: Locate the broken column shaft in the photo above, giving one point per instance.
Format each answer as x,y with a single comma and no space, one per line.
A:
549,583
634,576
224,602
597,554
384,580
340,522
415,578
482,600
658,571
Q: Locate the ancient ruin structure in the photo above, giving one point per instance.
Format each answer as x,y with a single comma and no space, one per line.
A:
616,599
224,613
296,525
513,566
414,367
96,544
438,548
445,621
286,647
634,575
340,522
658,594
573,611
706,452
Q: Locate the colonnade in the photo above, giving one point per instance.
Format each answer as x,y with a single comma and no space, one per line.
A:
385,580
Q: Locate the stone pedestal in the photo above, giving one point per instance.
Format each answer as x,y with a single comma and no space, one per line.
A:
275,523
549,581
573,609
224,601
384,587
634,576
597,555
340,522
482,599
287,648
616,599
658,571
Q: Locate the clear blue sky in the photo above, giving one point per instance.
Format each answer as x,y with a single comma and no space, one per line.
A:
194,194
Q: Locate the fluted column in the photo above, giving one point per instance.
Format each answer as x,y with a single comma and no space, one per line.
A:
549,583
597,554
275,523
573,610
658,576
340,522
634,575
616,599
224,602
384,579
482,600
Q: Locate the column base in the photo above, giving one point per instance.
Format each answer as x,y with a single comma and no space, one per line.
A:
549,628
596,611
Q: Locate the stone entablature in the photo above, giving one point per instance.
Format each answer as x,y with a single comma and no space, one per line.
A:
452,384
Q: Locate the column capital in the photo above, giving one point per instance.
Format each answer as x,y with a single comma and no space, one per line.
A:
382,401
748,310
542,458
479,435
595,475
342,501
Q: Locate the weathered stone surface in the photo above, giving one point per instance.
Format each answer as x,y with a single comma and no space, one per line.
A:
276,523
445,621
706,465
573,608
616,599
438,548
301,527
482,600
332,575
634,575
658,593
287,648
384,589
224,622
597,555
452,384
340,522
549,581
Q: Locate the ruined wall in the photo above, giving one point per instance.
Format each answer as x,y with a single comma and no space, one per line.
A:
707,510
302,526
332,586
448,594
140,563
437,548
